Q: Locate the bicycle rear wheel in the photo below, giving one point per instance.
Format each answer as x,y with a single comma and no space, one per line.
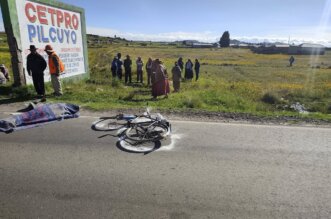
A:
147,132
108,124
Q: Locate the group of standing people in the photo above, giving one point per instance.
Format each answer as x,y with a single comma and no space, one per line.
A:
178,68
157,75
189,66
117,71
36,66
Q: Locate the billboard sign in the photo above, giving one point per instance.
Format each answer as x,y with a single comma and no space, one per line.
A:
62,26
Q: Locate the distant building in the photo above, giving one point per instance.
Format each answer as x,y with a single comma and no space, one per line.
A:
204,45
310,49
197,44
270,49
189,42
240,45
302,49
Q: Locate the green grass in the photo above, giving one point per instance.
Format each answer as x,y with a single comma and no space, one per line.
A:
231,80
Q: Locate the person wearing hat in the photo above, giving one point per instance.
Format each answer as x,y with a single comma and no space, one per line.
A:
56,67
36,66
127,68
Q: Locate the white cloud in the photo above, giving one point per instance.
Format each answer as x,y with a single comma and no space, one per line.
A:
296,35
206,36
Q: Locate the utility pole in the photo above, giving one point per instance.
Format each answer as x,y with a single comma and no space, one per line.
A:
15,51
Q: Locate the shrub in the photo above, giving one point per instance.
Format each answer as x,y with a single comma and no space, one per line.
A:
116,83
23,92
192,102
329,109
270,98
128,97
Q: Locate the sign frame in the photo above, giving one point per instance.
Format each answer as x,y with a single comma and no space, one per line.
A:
12,28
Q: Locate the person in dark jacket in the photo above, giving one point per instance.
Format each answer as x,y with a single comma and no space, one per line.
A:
181,63
36,66
119,66
291,60
113,67
197,69
188,70
127,68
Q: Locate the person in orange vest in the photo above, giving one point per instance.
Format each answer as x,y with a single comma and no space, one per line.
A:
56,67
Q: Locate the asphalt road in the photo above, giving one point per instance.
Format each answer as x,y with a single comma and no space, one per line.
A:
205,170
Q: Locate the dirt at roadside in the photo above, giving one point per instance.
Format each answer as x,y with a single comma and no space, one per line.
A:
193,115
204,116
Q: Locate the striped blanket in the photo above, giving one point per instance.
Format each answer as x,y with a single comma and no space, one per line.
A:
41,114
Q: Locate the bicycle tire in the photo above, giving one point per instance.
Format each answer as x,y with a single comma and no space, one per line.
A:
108,124
138,147
154,132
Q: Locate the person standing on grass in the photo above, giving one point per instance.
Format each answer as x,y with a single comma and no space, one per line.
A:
36,66
127,68
149,70
3,79
180,63
140,66
56,67
197,69
291,60
176,77
5,72
119,64
189,70
155,63
113,67
161,84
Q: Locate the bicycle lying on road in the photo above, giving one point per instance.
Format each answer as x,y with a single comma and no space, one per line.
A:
135,130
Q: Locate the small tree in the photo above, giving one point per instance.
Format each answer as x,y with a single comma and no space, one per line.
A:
225,39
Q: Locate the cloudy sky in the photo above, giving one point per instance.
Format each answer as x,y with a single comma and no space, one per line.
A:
169,20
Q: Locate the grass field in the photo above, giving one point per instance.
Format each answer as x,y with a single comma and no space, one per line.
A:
231,80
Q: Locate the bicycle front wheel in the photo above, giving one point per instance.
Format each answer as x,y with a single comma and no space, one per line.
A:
147,132
108,124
